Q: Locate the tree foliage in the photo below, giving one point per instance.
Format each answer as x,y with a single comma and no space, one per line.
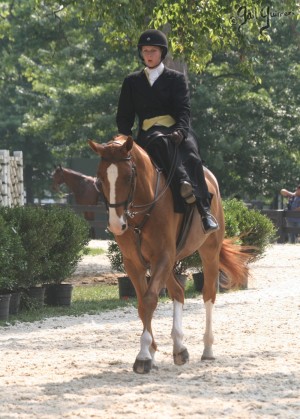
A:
248,131
62,65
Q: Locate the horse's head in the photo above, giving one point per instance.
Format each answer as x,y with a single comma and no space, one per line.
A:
57,178
116,175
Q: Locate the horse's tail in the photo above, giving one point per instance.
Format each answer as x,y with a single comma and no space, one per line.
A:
234,260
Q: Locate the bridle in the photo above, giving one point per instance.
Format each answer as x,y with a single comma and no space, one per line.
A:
128,201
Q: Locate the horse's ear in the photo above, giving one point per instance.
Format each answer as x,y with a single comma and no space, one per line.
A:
96,147
60,166
129,143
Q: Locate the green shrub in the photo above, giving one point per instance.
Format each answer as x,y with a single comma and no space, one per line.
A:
38,234
68,246
52,239
12,257
249,225
115,257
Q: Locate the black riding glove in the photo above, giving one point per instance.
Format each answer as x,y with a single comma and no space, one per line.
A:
176,136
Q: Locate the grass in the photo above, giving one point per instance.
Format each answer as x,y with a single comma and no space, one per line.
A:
95,252
85,300
92,299
90,251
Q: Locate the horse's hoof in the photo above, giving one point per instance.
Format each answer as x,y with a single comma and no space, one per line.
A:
142,366
207,358
181,358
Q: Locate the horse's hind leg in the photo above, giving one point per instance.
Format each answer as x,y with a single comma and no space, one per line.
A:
211,271
180,353
208,337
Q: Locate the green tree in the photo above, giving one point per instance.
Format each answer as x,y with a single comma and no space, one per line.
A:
22,34
58,88
249,133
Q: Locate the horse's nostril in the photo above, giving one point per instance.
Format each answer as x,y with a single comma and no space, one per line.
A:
123,226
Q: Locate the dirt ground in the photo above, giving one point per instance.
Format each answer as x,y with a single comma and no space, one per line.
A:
81,367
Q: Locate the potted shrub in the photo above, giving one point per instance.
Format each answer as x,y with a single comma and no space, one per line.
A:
37,234
52,239
249,226
126,288
12,262
64,253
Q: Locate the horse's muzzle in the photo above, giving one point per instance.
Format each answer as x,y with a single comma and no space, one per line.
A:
117,228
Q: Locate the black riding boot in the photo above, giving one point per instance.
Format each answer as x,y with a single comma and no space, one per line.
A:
209,222
203,202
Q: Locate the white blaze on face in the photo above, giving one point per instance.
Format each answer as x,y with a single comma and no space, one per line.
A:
117,225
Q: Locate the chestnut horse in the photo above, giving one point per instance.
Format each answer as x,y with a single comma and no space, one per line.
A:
83,187
145,226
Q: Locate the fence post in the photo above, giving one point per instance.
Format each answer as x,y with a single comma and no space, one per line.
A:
281,225
4,161
11,178
20,179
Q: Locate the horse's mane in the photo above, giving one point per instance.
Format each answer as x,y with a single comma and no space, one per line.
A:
135,147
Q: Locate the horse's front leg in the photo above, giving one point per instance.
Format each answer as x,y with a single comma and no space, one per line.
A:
145,359
147,302
180,353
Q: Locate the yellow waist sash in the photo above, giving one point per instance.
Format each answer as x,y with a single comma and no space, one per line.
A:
164,120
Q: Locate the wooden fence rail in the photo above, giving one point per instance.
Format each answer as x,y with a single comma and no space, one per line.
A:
278,217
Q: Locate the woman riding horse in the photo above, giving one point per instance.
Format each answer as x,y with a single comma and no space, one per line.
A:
159,97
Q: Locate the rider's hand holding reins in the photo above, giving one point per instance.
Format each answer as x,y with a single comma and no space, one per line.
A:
176,137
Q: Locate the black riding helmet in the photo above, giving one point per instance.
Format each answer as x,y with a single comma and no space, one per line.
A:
155,38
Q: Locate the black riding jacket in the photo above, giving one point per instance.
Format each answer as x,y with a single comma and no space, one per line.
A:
169,95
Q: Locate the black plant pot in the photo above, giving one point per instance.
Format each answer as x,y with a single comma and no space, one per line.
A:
14,304
58,294
37,294
4,306
198,278
126,289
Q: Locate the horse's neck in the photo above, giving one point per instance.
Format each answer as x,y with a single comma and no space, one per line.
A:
72,180
146,174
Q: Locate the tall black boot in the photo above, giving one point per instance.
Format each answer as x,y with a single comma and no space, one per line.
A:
209,222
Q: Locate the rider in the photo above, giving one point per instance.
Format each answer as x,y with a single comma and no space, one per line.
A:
159,97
